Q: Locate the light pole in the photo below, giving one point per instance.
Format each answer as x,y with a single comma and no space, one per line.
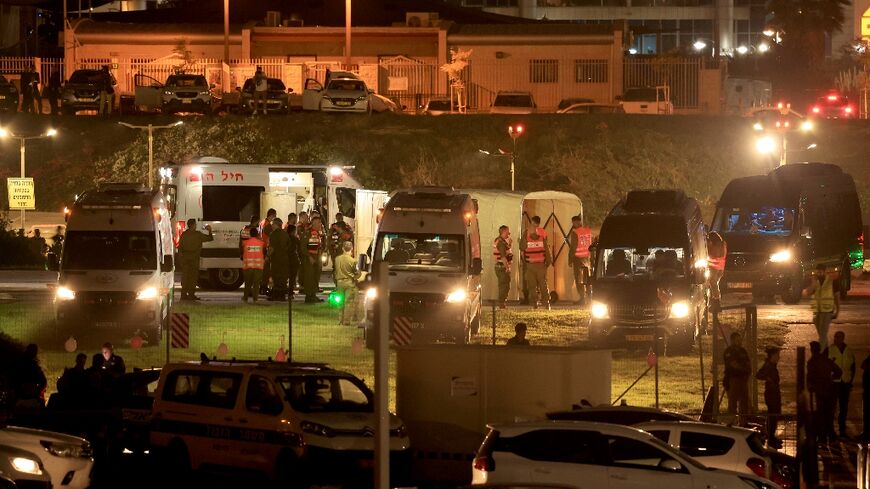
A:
514,132
150,128
347,34
226,32
5,134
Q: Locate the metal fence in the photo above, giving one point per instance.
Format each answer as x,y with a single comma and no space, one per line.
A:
682,75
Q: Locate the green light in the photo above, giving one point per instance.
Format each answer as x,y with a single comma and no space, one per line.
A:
336,298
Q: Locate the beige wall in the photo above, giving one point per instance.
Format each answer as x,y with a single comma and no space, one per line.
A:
366,43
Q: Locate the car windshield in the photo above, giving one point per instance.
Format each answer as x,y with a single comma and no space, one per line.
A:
513,100
762,221
657,263
109,250
347,85
89,76
439,105
186,81
326,393
422,252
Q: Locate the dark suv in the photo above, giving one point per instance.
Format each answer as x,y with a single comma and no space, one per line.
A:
82,91
8,96
277,98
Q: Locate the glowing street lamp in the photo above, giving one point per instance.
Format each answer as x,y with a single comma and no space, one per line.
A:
514,132
699,45
742,49
6,134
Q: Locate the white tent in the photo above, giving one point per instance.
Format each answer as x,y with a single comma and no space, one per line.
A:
515,209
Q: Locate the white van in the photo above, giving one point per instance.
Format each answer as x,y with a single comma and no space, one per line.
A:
116,270
293,422
430,238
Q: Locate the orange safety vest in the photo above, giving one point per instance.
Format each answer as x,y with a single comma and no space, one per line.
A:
534,251
253,255
496,255
584,241
314,242
718,262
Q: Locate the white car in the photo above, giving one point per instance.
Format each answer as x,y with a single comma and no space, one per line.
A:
648,100
723,447
345,95
598,455
518,103
67,459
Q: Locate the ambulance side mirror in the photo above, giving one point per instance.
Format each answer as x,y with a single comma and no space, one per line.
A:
476,266
168,264
362,262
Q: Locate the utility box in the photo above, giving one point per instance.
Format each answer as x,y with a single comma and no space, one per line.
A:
447,394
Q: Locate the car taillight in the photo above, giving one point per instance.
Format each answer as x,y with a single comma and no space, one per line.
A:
816,110
483,464
848,109
757,466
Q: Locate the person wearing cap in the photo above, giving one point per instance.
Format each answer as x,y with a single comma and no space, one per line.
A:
537,258
824,290
769,373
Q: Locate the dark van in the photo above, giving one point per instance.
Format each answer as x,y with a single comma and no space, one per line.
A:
779,226
649,271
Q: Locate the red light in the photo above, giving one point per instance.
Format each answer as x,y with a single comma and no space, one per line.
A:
816,110
179,228
483,464
848,109
757,466
832,97
194,177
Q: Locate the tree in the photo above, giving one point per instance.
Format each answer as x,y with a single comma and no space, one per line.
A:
184,54
458,62
803,25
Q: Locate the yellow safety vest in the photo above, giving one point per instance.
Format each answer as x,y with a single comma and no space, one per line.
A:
844,359
823,297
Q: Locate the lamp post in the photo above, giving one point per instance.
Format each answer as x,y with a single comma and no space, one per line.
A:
227,31
150,128
347,34
5,134
514,132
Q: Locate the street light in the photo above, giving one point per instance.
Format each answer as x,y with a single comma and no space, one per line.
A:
6,134
150,128
699,45
514,132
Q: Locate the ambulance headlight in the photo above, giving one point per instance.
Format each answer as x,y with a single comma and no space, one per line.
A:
680,309
147,293
781,256
598,310
457,295
65,294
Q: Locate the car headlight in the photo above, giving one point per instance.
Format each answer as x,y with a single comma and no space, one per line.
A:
26,465
680,309
781,256
147,294
458,295
167,92
361,98
62,449
757,126
317,429
371,293
205,92
806,126
599,310
65,294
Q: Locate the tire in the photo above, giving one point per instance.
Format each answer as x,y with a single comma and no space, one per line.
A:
289,472
226,278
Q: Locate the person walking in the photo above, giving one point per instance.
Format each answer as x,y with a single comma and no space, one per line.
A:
265,233
536,256
279,259
190,247
253,260
824,292
844,358
717,252
736,379
346,277
294,254
821,372
29,83
261,89
503,256
519,337
107,92
769,373
312,243
579,242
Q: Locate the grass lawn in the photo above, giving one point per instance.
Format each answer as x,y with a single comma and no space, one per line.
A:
258,330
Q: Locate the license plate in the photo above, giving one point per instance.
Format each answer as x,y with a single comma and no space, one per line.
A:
343,104
638,337
186,101
416,325
739,285
86,99
106,324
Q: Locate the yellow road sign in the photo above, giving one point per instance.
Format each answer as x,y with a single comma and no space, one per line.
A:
21,194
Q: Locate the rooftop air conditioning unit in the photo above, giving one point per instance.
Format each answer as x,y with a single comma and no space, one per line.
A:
273,18
421,19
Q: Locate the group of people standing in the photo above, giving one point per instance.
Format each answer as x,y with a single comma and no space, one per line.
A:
32,95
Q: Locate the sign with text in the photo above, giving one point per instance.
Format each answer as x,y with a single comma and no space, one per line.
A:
21,194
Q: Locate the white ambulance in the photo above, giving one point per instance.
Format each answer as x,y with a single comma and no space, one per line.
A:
214,191
116,270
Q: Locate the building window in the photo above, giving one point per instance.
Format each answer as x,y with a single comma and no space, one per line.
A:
544,70
590,71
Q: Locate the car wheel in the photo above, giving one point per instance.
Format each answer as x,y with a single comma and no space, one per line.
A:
289,472
226,278
792,294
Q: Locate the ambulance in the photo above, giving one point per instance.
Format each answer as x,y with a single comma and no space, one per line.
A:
225,195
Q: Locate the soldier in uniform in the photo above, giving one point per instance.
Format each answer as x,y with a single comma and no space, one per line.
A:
578,243
503,256
265,232
279,257
295,255
190,247
346,276
536,255
311,241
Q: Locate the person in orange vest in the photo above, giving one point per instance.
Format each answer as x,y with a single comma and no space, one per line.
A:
536,256
579,241
717,253
535,224
245,233
253,262
503,256
312,242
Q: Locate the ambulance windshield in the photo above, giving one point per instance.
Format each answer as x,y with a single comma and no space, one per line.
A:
422,252
109,250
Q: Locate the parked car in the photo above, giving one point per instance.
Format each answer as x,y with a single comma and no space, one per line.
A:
513,103
567,102
598,454
647,100
591,108
299,422
624,415
22,469
381,104
277,96
437,106
82,91
8,95
833,106
345,95
66,459
187,93
726,447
